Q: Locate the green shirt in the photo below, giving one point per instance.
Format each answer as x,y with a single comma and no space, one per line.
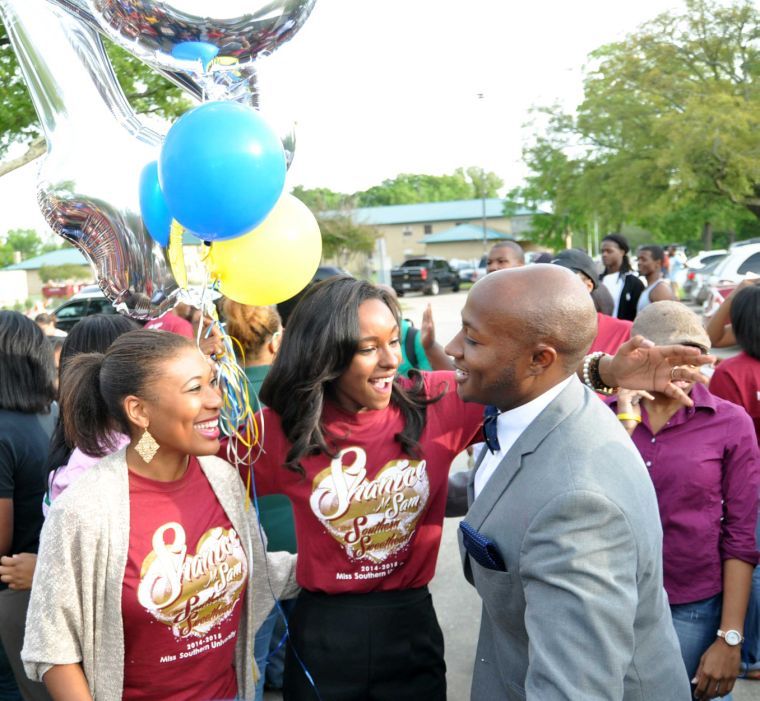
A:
275,510
422,362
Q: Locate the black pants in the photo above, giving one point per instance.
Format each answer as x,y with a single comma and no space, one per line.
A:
381,646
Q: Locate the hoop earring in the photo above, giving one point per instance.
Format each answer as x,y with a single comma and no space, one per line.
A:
147,447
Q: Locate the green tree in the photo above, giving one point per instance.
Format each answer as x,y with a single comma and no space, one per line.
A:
23,243
669,123
343,237
320,199
406,188
147,91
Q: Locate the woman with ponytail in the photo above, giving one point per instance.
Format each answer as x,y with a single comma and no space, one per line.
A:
151,577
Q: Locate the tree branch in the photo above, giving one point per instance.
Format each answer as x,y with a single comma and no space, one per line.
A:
36,149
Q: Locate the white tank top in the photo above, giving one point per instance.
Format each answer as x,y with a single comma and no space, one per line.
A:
644,299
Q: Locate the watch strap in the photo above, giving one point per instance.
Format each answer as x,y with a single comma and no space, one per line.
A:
725,634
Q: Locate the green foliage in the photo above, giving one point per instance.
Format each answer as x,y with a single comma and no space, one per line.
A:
320,199
25,242
343,238
64,272
667,134
462,184
146,90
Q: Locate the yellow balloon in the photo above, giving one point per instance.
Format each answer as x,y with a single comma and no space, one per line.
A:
177,254
274,261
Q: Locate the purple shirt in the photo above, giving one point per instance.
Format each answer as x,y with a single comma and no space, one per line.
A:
705,466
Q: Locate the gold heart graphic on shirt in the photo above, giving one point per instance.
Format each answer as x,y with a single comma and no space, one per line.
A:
192,593
372,519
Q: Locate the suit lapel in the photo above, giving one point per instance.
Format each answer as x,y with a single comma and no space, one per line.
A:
531,438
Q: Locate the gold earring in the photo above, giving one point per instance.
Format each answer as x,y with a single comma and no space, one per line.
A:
147,447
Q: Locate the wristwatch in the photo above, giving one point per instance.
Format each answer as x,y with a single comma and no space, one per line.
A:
732,637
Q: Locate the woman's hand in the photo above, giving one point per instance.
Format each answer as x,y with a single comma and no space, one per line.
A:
211,340
628,406
639,364
17,570
718,669
427,330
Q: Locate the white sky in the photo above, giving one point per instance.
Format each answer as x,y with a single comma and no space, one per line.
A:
381,87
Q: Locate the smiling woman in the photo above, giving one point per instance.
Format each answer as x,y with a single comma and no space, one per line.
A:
156,533
364,457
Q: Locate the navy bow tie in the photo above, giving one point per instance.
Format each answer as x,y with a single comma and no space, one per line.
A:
490,434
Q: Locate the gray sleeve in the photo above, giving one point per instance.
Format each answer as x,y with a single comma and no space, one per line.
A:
578,566
54,620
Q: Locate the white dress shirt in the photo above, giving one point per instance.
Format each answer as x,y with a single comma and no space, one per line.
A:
509,427
614,283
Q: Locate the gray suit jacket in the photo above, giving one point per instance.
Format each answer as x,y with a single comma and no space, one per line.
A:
580,613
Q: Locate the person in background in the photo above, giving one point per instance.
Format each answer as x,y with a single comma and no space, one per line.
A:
651,261
259,332
504,255
47,323
705,466
677,261
65,463
176,320
619,278
719,326
611,332
737,380
602,300
56,343
8,687
151,577
27,417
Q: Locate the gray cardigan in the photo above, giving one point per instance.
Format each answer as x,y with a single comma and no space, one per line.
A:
75,609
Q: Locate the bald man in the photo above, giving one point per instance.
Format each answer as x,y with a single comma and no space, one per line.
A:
562,539
505,255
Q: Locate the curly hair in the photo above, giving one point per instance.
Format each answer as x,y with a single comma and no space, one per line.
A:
252,326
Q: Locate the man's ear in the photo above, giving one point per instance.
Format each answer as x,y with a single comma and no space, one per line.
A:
136,411
544,357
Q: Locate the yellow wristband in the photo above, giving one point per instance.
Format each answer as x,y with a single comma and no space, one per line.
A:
629,417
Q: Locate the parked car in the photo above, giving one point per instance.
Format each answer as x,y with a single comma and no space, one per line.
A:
428,275
695,266
466,269
89,300
742,260
697,280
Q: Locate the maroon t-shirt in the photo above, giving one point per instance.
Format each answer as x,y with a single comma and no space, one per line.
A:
737,379
611,334
173,323
183,592
370,519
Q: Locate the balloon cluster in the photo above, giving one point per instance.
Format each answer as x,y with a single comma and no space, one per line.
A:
116,188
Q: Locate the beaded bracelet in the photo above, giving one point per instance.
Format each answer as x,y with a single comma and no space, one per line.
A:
591,376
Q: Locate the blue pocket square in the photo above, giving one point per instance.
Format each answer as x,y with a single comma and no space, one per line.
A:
481,549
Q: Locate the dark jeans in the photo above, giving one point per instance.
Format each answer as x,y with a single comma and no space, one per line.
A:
381,646
8,687
13,606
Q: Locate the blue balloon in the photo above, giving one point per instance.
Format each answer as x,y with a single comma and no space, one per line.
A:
155,213
195,51
221,169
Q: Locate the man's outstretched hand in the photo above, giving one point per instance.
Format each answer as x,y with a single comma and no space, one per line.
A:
639,364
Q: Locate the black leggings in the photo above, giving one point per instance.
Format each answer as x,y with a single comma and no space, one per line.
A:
380,646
